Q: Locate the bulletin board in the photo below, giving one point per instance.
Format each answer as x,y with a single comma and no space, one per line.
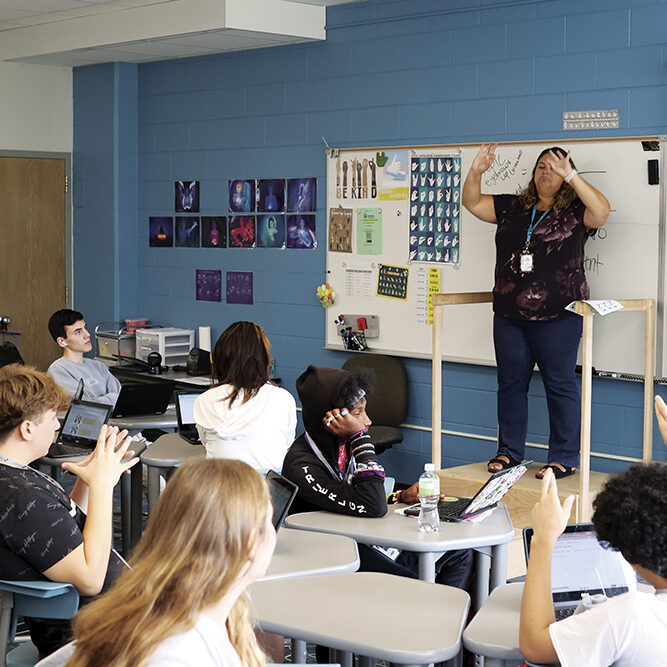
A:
397,232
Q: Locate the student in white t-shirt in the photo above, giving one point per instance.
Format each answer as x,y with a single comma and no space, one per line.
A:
245,416
628,630
184,602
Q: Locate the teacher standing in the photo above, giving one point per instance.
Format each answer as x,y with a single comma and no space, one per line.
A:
539,270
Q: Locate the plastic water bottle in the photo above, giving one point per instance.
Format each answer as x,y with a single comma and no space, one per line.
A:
429,495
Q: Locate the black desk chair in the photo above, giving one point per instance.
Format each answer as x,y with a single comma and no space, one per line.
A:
388,401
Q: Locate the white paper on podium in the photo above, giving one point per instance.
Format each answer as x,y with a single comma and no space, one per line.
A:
601,306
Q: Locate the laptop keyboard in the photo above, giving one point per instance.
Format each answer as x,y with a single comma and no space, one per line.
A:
563,612
61,449
452,509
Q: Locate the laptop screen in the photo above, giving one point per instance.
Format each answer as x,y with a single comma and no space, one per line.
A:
84,421
581,565
185,403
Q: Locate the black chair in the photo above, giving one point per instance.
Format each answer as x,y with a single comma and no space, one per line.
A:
388,400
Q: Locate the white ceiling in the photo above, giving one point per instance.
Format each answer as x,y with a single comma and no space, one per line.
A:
84,32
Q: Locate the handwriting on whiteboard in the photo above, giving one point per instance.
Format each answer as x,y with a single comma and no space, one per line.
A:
501,170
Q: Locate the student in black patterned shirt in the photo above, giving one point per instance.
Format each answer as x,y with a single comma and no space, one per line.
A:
45,534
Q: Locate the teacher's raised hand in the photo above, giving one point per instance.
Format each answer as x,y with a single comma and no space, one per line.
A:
559,163
484,159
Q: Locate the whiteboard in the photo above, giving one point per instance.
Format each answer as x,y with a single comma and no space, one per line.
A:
622,262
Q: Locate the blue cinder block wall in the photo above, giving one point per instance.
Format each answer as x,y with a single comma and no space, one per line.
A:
390,73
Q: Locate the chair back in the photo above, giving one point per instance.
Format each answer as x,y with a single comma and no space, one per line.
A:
39,599
387,402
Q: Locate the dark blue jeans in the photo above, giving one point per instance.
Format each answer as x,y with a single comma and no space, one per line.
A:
553,345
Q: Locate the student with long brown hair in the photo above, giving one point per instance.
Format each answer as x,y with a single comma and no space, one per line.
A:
183,601
245,416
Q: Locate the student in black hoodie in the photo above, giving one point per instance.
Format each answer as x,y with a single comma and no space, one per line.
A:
335,466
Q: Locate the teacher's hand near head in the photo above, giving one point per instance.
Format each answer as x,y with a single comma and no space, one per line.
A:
472,198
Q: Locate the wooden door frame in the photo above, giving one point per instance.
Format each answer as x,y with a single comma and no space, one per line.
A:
69,238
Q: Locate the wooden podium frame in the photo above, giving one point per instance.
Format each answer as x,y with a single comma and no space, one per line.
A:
582,308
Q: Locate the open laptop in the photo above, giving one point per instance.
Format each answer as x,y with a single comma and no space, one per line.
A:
460,509
581,565
81,426
143,398
282,492
185,401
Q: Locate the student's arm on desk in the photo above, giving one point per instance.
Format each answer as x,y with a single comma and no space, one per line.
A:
537,611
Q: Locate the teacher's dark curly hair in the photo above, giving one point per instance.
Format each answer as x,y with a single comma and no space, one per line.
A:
630,516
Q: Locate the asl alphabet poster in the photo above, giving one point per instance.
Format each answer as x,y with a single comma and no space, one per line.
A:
435,209
393,281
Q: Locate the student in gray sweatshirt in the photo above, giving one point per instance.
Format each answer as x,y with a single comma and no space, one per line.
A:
68,329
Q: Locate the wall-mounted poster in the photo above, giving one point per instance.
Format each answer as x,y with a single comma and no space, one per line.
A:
160,232
301,231
340,229
209,285
242,196
240,287
393,281
369,231
271,230
186,196
271,195
435,209
302,195
394,174
242,231
187,232
214,231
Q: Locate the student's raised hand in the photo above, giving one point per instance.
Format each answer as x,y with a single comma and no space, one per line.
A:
341,423
108,460
549,516
484,159
661,414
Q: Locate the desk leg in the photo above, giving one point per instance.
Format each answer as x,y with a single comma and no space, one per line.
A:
125,513
343,658
481,579
153,486
299,652
365,661
136,503
498,566
427,566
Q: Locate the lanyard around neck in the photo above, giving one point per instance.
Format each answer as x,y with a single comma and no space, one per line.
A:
23,466
534,224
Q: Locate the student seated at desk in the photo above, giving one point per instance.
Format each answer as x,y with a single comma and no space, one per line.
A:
68,329
628,630
245,416
45,534
183,602
336,469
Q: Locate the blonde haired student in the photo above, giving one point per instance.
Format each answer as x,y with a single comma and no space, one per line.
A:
183,601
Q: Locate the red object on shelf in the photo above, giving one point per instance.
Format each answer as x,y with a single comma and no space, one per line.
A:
361,324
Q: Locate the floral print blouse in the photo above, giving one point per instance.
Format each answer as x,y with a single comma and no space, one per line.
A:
557,246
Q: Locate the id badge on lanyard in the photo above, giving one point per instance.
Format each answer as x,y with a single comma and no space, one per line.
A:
526,259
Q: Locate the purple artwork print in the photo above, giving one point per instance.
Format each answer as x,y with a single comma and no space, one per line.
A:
239,287
209,285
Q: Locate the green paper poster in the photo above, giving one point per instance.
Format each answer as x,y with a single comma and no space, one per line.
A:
369,231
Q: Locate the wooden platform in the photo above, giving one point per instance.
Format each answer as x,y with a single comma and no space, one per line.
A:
466,480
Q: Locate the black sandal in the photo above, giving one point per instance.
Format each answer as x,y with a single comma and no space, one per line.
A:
504,465
558,473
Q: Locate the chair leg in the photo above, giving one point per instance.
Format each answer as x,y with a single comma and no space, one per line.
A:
6,606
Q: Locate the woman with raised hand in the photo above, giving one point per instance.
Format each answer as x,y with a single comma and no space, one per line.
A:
184,601
245,416
539,270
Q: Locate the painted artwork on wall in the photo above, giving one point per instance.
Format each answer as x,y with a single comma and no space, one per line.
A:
271,195
209,285
187,232
160,232
271,231
242,231
240,287
214,231
242,196
186,196
301,231
302,195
